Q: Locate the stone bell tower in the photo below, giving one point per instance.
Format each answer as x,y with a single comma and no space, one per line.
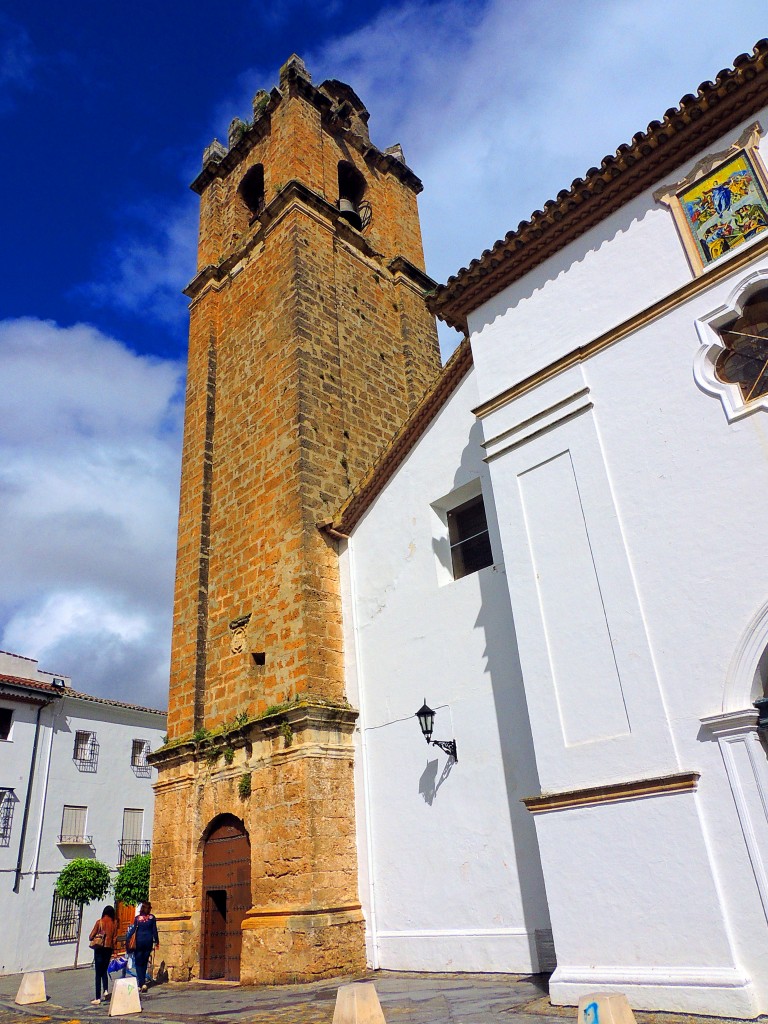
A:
310,343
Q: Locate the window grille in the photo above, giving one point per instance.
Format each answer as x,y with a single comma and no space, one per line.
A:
86,752
7,803
468,535
141,766
65,921
73,822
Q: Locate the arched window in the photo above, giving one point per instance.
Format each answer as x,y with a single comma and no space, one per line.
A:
744,358
252,189
351,192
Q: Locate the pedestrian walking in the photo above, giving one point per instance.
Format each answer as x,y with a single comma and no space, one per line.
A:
102,942
142,939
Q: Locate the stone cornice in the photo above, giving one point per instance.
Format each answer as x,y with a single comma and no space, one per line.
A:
700,120
306,714
292,192
680,782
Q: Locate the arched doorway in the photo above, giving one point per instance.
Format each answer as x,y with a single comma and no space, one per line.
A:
226,897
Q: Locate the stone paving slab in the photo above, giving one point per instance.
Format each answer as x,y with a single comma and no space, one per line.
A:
405,999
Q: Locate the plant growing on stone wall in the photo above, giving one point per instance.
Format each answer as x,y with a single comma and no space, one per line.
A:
244,786
211,756
83,881
200,734
132,882
241,718
260,103
287,733
229,755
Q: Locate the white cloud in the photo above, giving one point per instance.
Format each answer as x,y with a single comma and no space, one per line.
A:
149,262
89,466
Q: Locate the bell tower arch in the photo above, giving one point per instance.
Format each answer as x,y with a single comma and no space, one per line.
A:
310,344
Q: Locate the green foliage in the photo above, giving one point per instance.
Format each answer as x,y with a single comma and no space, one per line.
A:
241,718
244,786
83,880
211,756
229,755
200,734
287,733
132,882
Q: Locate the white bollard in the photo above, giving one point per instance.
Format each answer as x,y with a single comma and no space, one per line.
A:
358,1003
125,998
32,988
605,1008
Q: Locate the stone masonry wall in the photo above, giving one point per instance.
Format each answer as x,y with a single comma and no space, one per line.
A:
308,348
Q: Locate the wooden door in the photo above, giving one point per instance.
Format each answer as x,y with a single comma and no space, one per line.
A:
226,897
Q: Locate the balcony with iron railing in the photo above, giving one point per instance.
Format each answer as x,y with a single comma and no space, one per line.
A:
128,848
75,840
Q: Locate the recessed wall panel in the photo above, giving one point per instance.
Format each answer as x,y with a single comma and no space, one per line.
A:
584,671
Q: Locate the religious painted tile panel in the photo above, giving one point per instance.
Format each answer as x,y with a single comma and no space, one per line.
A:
726,208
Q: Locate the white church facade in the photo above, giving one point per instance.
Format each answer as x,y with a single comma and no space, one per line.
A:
560,554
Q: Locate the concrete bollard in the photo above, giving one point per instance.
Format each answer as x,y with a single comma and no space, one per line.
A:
605,1008
32,988
125,998
358,1003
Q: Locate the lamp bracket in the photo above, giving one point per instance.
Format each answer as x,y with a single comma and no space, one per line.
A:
449,746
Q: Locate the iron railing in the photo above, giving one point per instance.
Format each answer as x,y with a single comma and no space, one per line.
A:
128,848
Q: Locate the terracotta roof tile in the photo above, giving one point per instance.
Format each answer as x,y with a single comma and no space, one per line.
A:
67,691
685,130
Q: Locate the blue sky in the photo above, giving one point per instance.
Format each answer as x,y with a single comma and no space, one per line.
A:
105,109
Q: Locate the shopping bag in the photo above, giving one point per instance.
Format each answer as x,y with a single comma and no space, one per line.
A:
117,963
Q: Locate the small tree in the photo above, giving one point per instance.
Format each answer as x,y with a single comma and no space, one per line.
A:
132,882
83,880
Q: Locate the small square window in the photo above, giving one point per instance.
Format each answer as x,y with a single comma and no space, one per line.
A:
86,752
6,720
468,536
139,762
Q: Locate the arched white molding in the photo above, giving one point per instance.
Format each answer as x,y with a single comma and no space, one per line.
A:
738,692
730,396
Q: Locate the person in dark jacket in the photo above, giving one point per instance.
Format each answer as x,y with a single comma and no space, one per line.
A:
144,927
103,932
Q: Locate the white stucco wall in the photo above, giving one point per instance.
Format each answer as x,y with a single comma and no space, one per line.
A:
625,494
58,781
450,874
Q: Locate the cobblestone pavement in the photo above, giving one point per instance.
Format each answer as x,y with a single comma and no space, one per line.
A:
405,999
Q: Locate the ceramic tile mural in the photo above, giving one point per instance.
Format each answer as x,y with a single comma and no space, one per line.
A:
726,208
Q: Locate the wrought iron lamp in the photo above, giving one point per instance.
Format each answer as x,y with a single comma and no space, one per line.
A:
426,717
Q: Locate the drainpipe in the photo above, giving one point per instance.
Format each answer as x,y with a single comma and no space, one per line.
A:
28,799
43,801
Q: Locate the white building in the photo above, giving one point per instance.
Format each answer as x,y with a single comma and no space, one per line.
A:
596,655
74,782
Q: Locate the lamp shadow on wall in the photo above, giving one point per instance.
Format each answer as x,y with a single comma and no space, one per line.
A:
428,787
